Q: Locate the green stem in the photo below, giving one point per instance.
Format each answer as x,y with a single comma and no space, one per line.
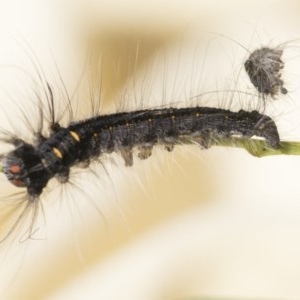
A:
260,148
256,147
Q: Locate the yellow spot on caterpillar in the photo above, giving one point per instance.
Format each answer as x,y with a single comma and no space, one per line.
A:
127,125
110,128
75,136
172,117
57,153
197,115
150,120
95,134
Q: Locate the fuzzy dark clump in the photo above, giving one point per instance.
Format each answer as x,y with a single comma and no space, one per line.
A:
264,67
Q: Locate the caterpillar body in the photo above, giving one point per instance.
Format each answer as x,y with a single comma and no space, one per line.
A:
33,166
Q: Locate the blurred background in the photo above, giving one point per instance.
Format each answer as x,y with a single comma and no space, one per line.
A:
189,224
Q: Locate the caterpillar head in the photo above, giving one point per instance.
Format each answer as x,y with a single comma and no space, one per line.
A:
23,167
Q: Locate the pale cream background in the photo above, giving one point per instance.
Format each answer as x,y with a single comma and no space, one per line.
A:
214,223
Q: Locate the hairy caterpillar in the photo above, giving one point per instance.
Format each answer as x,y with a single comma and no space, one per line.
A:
204,140
33,165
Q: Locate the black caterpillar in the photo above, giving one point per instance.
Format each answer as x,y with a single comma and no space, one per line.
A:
32,166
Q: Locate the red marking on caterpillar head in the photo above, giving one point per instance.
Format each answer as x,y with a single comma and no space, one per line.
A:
18,182
15,169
